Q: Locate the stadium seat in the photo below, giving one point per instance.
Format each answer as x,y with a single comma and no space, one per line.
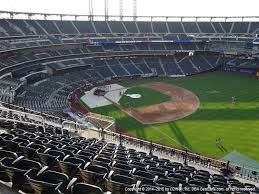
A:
85,154
17,171
15,143
117,183
31,150
94,174
158,171
51,157
47,181
82,188
202,178
71,166
6,136
161,182
145,177
17,131
121,168
101,161
9,155
179,178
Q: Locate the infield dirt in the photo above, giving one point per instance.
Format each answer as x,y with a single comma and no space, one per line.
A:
182,103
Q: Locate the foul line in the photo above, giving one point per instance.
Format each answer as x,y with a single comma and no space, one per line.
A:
170,137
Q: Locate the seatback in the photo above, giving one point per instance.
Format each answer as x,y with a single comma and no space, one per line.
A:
17,170
13,144
144,177
82,188
117,184
31,151
123,169
51,157
7,154
48,182
4,154
94,174
70,166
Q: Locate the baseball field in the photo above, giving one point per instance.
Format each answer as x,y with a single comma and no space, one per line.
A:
217,117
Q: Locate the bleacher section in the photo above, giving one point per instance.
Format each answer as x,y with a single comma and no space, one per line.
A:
43,27
55,160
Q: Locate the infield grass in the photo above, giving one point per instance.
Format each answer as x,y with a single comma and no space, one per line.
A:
236,124
148,97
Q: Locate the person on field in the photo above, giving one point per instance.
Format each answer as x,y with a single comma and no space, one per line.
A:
233,99
218,141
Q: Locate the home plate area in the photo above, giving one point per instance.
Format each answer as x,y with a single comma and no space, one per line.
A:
104,95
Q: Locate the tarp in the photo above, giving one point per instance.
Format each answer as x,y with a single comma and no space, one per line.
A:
241,160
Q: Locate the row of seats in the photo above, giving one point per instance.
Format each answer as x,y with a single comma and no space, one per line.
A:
51,96
41,41
15,27
19,65
128,68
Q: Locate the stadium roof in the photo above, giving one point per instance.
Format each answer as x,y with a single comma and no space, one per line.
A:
40,15
144,7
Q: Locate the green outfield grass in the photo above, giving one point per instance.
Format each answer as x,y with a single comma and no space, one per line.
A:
148,97
237,125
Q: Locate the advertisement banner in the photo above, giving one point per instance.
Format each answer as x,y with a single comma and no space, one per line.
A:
229,52
230,68
248,71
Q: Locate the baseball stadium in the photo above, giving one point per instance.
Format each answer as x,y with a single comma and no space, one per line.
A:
128,103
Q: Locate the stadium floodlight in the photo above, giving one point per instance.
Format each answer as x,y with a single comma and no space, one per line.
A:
134,10
91,10
106,9
121,9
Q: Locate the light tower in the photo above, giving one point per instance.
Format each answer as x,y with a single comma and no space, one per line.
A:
106,13
91,10
134,10
121,9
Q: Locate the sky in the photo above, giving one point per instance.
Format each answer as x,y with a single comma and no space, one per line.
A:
144,7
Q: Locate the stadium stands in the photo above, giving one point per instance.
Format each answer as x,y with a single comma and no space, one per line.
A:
43,27
42,62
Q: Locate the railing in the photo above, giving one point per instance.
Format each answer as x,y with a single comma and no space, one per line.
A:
40,120
27,110
103,117
239,170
